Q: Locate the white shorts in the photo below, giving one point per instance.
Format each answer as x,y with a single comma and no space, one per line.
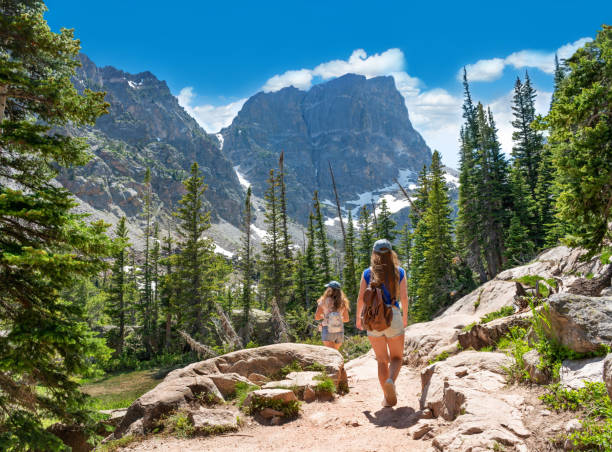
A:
395,329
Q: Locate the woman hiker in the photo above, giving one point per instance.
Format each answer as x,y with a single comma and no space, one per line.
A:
388,344
333,308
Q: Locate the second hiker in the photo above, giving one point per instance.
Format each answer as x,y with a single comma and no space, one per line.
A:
333,308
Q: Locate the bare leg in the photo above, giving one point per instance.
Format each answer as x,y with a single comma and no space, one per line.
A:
379,344
331,344
396,353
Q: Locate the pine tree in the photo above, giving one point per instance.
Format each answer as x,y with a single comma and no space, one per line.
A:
580,127
146,296
45,247
167,288
418,309
247,269
528,143
155,276
273,275
195,277
523,218
519,249
468,239
405,245
312,272
286,240
559,76
321,241
117,306
385,224
366,239
351,283
436,278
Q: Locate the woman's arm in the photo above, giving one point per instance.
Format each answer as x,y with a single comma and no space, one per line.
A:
319,313
404,299
362,288
345,315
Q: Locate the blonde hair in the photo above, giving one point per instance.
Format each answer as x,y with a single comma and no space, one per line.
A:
340,300
385,270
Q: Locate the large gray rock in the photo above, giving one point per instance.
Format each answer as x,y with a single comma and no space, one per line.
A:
467,389
532,366
580,323
213,420
487,334
574,373
215,378
607,373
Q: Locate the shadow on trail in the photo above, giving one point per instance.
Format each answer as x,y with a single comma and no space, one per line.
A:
402,417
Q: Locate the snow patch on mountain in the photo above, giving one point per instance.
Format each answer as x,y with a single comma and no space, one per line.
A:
243,181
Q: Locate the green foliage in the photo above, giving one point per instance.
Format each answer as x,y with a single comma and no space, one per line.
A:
469,327
354,347
366,238
289,409
580,132
350,279
45,247
315,367
179,424
441,357
505,311
325,384
321,241
116,444
594,403
241,390
293,366
516,344
385,224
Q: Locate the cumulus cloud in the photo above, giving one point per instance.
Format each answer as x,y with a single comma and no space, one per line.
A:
359,62
492,69
212,118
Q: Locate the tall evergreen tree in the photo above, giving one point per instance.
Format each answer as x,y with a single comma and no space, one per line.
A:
155,278
351,283
321,241
195,278
146,297
286,240
558,78
117,306
366,238
528,143
312,272
45,247
167,288
436,279
273,276
418,309
468,239
405,246
247,269
580,126
385,224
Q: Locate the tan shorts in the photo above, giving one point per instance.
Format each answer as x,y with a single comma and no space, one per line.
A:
395,329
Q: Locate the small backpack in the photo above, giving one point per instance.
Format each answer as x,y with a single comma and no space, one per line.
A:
334,322
376,315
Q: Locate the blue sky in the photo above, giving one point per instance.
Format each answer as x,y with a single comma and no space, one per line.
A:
214,55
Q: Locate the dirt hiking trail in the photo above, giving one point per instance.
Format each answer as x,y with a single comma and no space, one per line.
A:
355,422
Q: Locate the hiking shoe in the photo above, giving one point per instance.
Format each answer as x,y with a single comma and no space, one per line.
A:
389,390
385,404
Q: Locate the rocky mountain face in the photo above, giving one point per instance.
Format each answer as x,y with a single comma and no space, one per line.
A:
146,127
359,125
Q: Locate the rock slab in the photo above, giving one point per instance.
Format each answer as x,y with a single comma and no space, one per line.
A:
574,373
607,373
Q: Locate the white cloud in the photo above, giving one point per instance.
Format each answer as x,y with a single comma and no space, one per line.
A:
492,69
359,62
212,118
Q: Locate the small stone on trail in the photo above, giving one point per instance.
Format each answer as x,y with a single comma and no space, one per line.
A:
573,425
269,413
544,413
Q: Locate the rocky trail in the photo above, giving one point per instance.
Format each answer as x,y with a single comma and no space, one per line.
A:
452,397
354,422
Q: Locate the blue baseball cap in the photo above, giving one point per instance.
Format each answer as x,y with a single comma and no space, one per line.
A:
382,246
333,284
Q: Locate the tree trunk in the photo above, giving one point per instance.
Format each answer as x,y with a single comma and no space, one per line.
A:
3,91
168,333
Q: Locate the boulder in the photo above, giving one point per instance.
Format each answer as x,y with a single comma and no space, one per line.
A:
487,334
532,366
573,373
258,379
213,379
115,416
607,373
284,395
213,420
467,389
579,322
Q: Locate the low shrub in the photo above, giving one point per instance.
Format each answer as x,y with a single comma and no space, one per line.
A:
315,367
594,403
289,409
516,345
293,366
354,347
505,311
241,390
441,357
325,384
468,328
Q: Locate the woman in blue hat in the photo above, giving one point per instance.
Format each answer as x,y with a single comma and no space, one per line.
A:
388,344
333,308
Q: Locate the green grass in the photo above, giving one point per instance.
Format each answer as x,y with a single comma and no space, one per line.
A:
441,357
114,445
294,366
596,413
315,367
289,409
505,311
531,281
325,384
120,390
242,389
468,328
